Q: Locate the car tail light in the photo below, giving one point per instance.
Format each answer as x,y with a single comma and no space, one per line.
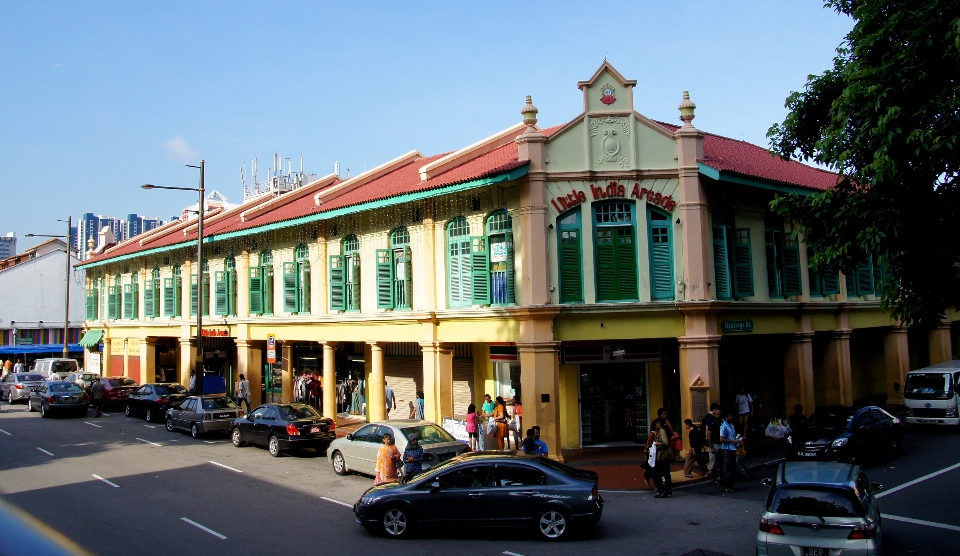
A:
861,532
51,399
771,527
162,401
292,430
333,426
594,494
19,387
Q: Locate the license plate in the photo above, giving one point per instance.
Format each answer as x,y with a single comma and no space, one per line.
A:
813,551
35,389
807,454
926,421
314,429
69,400
445,457
223,416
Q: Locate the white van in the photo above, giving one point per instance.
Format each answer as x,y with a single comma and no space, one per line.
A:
931,394
50,366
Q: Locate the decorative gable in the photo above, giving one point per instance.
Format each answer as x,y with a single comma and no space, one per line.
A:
607,91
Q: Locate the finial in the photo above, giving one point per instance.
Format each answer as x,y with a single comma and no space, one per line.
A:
529,112
686,110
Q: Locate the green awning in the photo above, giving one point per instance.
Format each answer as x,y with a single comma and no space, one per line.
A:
91,338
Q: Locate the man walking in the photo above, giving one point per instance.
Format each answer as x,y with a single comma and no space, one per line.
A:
243,392
711,424
729,441
98,393
18,366
390,397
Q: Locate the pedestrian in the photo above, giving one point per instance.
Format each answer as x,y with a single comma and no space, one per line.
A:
193,381
243,392
711,424
18,366
695,443
388,461
798,418
661,470
540,444
98,393
501,418
529,445
419,406
7,368
486,410
413,456
729,442
744,403
413,411
471,421
390,397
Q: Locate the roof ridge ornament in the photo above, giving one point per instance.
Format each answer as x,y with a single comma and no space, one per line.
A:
687,108
529,113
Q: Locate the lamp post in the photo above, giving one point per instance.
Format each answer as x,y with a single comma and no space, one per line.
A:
66,295
198,376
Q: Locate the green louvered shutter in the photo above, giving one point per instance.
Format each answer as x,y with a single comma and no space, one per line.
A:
193,295
148,291
831,282
792,283
864,277
220,292
571,275
480,270
606,264
256,290
774,247
511,274
135,288
303,273
92,304
878,276
721,263
128,301
112,302
206,294
661,267
290,298
355,285
407,278
385,298
742,263
458,272
337,293
816,282
177,296
169,298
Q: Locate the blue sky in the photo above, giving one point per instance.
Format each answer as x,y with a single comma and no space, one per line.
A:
97,98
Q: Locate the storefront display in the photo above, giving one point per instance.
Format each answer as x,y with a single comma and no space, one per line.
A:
613,403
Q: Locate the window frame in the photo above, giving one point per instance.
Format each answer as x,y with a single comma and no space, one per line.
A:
577,227
612,223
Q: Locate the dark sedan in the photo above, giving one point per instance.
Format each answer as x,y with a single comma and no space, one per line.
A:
846,434
485,489
58,397
153,400
284,426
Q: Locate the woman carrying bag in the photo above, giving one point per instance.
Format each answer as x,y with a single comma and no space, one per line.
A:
664,457
501,418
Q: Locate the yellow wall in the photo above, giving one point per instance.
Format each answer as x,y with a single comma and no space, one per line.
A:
483,379
655,389
569,406
587,326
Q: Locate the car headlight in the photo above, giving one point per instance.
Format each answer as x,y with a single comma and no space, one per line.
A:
951,412
368,500
840,442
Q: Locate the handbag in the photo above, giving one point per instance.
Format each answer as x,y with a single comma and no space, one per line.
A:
676,444
652,458
491,426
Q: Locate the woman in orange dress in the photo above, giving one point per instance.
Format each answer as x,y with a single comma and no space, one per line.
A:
388,459
502,419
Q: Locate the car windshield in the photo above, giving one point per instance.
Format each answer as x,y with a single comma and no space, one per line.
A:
29,378
830,419
815,503
167,389
121,381
428,434
64,387
218,403
294,412
64,367
927,386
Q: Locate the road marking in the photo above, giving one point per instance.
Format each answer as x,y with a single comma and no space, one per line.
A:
148,442
93,425
207,529
915,481
44,451
5,432
214,441
337,502
151,426
105,414
114,485
508,553
225,466
920,522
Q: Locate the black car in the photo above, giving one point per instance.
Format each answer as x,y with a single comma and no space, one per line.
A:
485,489
58,397
284,426
846,434
153,400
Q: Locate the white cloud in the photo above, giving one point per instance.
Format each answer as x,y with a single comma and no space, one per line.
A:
58,65
177,148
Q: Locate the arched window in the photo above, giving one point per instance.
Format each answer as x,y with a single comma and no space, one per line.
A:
394,276
296,282
172,288
261,285
131,294
151,294
570,257
345,276
661,255
498,261
459,279
225,288
615,251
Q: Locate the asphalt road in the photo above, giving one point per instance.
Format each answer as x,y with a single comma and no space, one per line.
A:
119,486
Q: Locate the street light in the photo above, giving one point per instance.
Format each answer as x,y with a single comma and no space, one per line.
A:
66,297
198,377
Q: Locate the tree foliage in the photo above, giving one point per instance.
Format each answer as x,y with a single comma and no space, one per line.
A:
886,118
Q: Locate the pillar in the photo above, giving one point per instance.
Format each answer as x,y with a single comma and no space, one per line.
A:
243,286
437,381
286,378
249,364
428,283
941,348
896,358
533,286
540,388
329,380
695,238
187,358
699,359
106,357
798,374
126,358
837,373
376,384
148,360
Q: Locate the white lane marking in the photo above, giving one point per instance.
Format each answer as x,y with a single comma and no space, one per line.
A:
5,432
915,481
105,414
207,529
151,426
336,502
44,451
508,553
921,522
114,485
93,425
214,441
148,442
225,466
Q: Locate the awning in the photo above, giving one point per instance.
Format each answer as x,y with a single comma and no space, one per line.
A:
54,349
91,338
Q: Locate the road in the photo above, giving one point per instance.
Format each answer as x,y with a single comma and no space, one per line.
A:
120,486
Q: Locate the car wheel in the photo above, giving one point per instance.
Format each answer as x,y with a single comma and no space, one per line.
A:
149,415
553,525
127,411
237,437
30,405
339,464
274,446
194,430
396,523
43,410
170,424
9,396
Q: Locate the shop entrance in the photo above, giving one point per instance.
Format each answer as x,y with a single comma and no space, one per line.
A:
613,403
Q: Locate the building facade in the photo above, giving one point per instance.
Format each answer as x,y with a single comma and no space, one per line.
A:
602,268
8,245
89,226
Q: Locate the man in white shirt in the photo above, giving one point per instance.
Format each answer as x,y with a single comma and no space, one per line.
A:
243,392
744,408
18,366
391,398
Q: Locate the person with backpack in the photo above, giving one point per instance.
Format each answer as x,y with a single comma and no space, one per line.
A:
695,441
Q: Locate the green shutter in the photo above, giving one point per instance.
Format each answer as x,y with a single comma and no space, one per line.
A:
177,296
511,274
407,278
128,301
148,292
816,283
112,302
480,270
661,267
256,290
831,282
792,284
169,299
742,263
355,285
291,303
193,295
774,246
878,276
385,297
267,290
135,287
721,263
571,274
232,292
864,277
206,294
220,292
337,286
606,256
92,304
303,270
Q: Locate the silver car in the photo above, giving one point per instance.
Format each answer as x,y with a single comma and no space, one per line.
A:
202,414
17,386
358,451
819,508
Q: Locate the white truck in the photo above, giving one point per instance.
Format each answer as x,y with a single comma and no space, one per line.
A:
931,394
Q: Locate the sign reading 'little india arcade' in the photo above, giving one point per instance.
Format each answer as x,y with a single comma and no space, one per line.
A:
614,190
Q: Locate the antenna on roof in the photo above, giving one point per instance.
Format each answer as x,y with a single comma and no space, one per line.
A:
301,163
336,168
348,173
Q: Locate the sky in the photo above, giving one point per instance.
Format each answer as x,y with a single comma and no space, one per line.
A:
97,98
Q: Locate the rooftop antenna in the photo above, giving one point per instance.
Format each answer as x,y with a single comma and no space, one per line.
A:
348,173
336,168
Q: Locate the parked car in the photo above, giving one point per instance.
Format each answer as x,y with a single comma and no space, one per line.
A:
54,368
17,386
58,397
282,427
85,380
117,389
358,451
485,489
846,434
202,414
931,394
153,400
819,508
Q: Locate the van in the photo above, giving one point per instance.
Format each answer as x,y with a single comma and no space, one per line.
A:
931,394
55,365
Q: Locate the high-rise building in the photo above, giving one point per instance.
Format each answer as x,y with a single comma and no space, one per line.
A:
89,226
8,245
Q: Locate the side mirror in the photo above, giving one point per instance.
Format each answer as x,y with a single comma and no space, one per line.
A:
877,487
435,486
896,387
249,417
350,437
767,482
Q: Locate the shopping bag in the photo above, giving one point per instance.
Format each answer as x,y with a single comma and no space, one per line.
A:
652,458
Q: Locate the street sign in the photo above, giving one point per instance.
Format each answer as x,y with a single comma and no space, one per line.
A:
271,348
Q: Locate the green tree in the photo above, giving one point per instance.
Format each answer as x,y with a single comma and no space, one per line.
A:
886,118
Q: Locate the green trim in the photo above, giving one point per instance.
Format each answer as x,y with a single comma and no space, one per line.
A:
91,338
715,174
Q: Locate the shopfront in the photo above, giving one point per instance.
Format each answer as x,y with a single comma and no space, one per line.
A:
219,362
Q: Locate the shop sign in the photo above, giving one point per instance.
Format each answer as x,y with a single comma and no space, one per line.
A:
498,252
271,348
215,333
457,428
503,352
24,341
569,201
744,325
614,190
